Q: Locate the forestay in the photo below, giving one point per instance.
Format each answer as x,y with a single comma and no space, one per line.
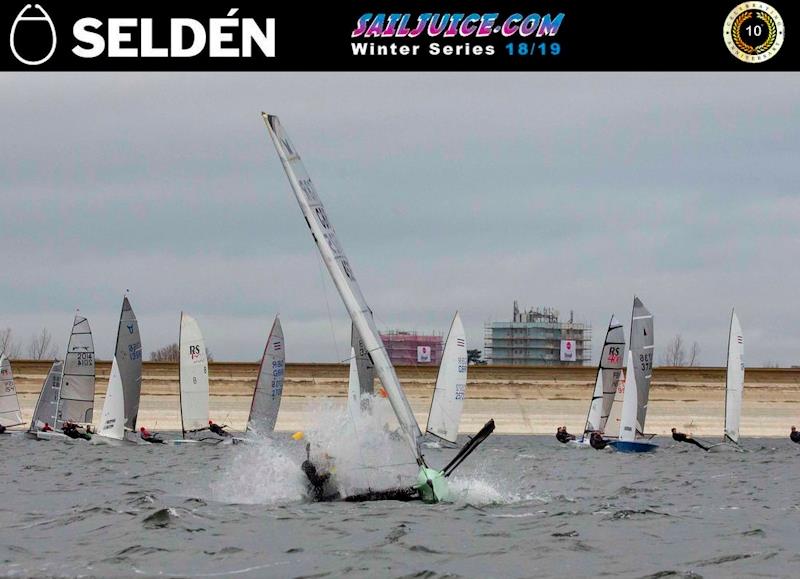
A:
46,405
77,388
734,383
269,385
612,358
129,359
451,385
642,349
343,277
193,376
112,419
10,413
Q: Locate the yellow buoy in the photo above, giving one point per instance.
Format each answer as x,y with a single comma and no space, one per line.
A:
297,435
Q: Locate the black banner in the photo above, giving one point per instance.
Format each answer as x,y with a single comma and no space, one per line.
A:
408,35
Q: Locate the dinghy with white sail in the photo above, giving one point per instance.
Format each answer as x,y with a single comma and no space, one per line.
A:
193,389
612,358
44,415
638,375
450,392
128,356
10,413
76,397
112,418
431,484
269,385
734,388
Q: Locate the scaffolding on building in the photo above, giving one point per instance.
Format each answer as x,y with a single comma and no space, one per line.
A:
402,347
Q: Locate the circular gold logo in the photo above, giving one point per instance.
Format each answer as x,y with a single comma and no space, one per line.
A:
753,32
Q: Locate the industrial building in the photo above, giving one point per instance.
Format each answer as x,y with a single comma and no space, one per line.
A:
413,349
537,337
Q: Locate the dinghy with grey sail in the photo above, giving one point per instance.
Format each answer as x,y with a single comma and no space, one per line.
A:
734,388
10,413
612,358
361,380
128,356
76,399
638,375
44,414
431,484
269,386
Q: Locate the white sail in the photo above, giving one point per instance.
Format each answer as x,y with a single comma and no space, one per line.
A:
609,370
342,273
10,414
269,385
734,383
129,358
46,405
112,419
451,385
193,376
76,400
612,424
630,403
641,347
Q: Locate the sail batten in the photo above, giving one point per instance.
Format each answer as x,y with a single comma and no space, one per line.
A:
10,413
343,277
451,385
269,385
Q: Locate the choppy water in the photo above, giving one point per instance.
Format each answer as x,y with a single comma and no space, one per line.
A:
525,506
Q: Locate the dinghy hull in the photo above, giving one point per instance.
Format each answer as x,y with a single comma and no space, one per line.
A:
432,485
630,446
725,447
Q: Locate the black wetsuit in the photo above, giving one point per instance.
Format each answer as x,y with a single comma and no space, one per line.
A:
2,429
563,436
318,482
795,436
597,441
681,437
218,430
73,432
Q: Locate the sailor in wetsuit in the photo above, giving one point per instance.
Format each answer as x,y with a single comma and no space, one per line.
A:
563,436
217,429
318,480
681,437
794,435
71,430
2,429
597,441
148,436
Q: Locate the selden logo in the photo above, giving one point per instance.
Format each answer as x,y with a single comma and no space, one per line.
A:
33,36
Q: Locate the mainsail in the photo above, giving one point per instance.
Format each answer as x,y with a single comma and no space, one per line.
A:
112,419
76,400
642,349
734,383
609,370
10,414
451,385
129,359
193,376
269,385
342,273
46,405
628,425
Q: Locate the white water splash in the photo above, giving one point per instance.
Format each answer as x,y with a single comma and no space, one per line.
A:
260,472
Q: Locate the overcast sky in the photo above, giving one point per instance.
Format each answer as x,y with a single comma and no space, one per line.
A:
448,191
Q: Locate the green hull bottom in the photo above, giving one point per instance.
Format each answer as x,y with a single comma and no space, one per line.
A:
432,485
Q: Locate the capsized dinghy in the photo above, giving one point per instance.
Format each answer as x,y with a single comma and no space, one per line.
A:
431,484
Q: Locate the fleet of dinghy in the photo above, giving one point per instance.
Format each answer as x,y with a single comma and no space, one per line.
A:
431,484
638,373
